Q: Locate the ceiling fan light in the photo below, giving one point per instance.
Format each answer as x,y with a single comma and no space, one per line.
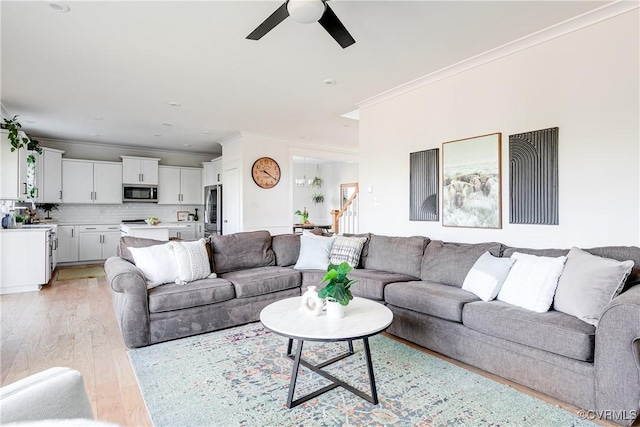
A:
306,11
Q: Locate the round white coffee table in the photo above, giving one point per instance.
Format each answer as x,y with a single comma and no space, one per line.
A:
364,318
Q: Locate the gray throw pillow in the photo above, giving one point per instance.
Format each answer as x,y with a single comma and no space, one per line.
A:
588,283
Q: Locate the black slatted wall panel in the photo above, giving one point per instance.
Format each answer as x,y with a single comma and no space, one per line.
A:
424,185
533,175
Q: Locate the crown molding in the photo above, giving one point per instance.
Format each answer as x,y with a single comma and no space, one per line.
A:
576,23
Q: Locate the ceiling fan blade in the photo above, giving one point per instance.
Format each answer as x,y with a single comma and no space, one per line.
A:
269,24
334,27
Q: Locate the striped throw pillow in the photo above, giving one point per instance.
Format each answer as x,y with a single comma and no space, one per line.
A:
347,249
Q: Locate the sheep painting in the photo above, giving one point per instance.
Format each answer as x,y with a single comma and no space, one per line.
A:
471,184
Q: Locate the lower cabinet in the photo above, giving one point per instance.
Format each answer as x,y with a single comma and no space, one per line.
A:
97,242
25,264
185,232
67,243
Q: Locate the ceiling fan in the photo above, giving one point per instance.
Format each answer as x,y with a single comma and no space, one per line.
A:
306,12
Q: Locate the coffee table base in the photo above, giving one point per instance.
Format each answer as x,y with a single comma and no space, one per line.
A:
335,382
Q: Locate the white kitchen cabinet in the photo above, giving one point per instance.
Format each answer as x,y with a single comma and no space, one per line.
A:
48,176
183,232
212,172
139,170
97,242
91,182
13,169
25,264
179,186
67,243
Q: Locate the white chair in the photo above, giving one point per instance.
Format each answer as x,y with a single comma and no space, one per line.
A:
57,393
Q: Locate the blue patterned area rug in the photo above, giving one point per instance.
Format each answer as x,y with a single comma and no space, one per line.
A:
240,377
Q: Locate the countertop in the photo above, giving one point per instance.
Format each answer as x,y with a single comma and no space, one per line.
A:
161,225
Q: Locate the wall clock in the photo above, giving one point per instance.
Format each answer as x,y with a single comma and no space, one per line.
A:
265,172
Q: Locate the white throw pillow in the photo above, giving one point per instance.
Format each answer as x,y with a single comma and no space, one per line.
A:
157,263
487,276
588,283
192,261
532,281
314,252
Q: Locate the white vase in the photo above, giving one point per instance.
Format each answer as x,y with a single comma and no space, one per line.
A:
311,303
335,310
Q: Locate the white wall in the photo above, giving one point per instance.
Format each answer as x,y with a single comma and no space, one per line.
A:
586,83
333,175
272,209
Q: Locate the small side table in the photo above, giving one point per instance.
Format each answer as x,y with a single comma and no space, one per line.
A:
364,318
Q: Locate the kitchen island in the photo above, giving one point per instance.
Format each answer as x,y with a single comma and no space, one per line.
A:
162,231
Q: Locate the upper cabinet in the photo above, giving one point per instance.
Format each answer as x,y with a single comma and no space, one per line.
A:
91,182
179,186
139,170
48,176
212,172
13,169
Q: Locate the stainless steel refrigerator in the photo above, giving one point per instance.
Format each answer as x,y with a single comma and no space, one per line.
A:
212,210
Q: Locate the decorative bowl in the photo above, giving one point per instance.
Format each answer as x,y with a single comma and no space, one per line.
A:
152,221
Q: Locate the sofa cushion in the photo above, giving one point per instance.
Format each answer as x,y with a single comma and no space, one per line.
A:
434,299
312,278
347,249
314,251
365,248
620,253
127,242
200,292
395,254
371,283
157,263
449,263
242,250
262,280
532,281
588,283
286,248
487,276
552,331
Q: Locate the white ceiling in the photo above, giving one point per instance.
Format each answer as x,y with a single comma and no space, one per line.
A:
111,68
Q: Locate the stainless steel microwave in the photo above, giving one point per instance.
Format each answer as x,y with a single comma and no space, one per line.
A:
140,193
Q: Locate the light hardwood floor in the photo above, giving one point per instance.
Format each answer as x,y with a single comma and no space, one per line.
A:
71,323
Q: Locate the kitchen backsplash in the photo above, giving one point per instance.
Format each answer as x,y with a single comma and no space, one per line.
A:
115,213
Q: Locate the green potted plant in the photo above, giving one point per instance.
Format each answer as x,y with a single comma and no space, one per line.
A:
337,291
304,215
19,220
47,207
317,198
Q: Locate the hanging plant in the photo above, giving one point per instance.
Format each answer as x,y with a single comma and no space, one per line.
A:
317,182
317,198
17,142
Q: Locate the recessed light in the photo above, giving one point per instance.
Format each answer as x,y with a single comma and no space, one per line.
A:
31,121
186,145
156,134
167,124
99,118
95,134
329,82
174,104
206,132
59,7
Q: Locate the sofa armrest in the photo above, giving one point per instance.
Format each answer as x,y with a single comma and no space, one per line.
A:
57,393
130,301
617,359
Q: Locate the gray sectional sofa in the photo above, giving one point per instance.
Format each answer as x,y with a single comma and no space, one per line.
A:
595,368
